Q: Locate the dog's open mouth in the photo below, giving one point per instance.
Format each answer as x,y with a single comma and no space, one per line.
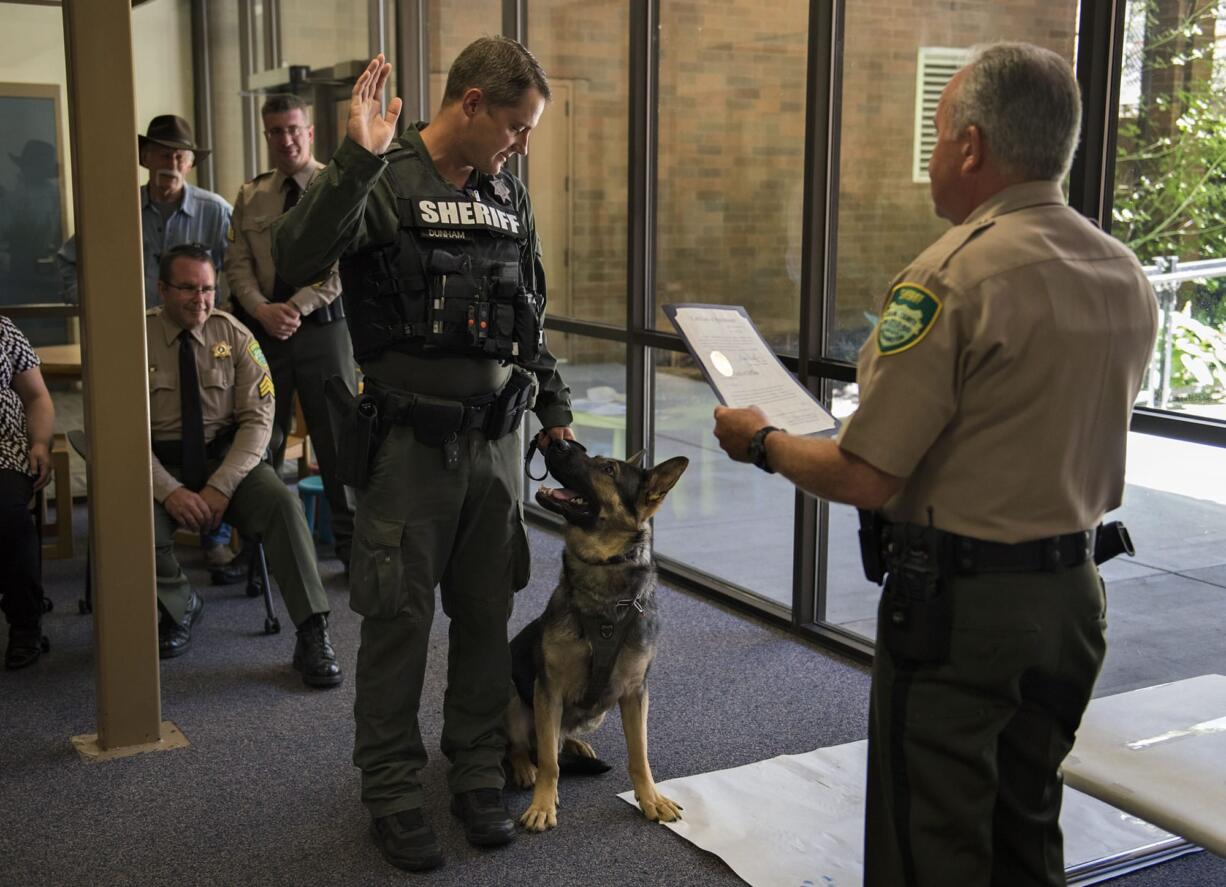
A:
567,503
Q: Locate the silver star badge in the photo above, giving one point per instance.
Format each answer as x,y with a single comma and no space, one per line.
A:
501,191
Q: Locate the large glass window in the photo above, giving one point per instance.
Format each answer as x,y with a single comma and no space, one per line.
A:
727,519
1163,606
577,156
731,159
1170,191
595,370
897,59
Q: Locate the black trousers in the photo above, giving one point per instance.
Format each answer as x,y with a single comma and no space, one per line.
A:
21,587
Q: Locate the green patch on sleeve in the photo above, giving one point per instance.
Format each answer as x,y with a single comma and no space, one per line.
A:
909,314
257,353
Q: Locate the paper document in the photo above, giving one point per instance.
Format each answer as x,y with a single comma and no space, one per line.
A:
743,370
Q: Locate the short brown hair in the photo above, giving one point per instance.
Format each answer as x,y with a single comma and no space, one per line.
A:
196,252
498,66
280,102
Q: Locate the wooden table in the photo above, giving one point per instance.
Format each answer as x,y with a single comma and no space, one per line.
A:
60,361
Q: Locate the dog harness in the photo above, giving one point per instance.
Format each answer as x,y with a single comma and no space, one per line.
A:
608,636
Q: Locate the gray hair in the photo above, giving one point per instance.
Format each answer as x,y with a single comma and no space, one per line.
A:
1025,101
500,67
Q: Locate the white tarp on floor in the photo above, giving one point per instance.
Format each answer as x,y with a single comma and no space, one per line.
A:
1159,753
798,820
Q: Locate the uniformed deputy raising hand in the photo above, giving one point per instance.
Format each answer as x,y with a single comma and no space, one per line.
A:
444,294
995,397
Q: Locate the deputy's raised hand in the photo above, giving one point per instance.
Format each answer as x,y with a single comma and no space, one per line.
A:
368,126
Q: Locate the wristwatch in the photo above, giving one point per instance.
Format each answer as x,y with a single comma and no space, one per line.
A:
757,448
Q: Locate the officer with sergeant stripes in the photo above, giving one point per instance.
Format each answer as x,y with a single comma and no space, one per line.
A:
210,416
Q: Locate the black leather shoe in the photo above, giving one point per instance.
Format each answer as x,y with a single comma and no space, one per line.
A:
313,654
486,820
234,572
25,646
406,841
175,637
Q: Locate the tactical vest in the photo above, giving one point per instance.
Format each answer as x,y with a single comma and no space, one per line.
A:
452,283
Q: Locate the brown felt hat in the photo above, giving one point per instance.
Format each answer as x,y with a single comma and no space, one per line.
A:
171,132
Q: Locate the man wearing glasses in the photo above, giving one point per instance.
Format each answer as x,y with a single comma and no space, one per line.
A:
300,329
210,415
173,212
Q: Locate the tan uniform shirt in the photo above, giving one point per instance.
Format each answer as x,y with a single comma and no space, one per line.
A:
1000,379
235,390
249,266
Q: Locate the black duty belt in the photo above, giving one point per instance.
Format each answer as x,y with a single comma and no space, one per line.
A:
326,314
406,408
170,452
1053,553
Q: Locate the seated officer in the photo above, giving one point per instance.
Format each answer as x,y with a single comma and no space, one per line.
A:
210,434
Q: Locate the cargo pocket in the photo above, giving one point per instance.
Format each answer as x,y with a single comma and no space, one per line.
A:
521,554
376,585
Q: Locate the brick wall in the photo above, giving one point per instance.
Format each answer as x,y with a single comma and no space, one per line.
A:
731,134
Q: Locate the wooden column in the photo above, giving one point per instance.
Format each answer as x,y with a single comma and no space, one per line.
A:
103,127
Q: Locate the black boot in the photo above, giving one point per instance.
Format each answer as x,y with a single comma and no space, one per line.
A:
25,646
485,817
406,841
313,654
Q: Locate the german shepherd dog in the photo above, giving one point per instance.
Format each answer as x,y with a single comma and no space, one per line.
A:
595,641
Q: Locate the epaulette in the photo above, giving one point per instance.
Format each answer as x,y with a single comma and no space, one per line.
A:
234,321
954,240
263,175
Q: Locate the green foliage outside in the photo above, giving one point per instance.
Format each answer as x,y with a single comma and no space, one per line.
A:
1170,196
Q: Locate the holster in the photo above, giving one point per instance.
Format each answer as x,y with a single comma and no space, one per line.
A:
359,432
510,404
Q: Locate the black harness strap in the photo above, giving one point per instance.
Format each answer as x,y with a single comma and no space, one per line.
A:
606,639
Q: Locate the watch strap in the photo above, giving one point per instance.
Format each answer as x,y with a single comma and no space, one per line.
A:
757,448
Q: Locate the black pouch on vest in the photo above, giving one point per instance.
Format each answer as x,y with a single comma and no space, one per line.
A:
436,422
528,337
915,617
510,405
357,422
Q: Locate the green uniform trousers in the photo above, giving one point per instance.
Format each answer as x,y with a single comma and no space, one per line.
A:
964,783
420,525
302,363
262,506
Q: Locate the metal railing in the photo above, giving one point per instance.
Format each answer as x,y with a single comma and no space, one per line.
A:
1167,274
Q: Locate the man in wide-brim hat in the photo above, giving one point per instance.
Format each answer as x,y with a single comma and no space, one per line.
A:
172,212
170,131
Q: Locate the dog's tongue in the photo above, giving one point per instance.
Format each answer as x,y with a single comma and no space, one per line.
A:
560,495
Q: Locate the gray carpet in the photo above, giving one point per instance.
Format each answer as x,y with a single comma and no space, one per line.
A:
266,793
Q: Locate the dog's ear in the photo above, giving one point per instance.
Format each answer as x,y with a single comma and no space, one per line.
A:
661,479
637,458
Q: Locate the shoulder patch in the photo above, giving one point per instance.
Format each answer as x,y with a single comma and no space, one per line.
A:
265,386
909,314
230,235
257,353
